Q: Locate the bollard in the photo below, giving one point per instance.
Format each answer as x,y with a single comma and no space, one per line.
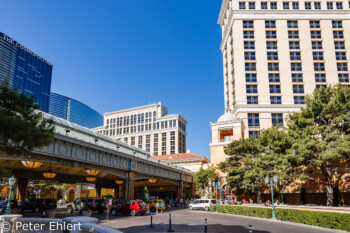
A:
205,226
151,221
250,229
170,230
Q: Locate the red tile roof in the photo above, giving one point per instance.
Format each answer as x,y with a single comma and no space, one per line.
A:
180,156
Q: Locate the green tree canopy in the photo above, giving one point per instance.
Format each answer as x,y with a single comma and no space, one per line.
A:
145,195
202,179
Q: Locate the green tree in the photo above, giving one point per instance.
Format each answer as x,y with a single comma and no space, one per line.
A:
145,195
22,127
202,179
321,133
188,195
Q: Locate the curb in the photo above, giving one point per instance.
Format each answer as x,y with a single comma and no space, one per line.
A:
285,222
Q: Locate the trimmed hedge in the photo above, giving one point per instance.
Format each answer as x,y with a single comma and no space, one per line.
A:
340,221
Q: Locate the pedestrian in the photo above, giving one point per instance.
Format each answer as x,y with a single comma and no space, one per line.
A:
181,200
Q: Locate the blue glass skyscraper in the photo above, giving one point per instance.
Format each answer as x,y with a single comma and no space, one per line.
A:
25,70
74,111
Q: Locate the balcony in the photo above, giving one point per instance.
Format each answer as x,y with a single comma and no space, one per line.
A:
227,139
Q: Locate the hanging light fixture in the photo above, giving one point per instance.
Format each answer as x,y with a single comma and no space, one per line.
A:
119,182
32,164
153,181
49,174
161,188
90,179
92,172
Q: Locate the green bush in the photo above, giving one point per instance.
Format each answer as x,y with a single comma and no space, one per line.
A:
331,220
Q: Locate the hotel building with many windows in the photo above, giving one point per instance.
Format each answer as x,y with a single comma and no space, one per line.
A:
147,127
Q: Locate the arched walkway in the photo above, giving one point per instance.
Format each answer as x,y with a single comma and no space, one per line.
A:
71,195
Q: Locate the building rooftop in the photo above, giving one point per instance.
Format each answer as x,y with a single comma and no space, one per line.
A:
228,117
181,156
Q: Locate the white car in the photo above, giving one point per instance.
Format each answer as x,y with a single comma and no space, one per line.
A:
202,204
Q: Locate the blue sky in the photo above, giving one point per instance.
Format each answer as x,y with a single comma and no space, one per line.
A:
114,54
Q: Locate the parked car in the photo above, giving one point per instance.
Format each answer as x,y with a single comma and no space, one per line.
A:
202,204
37,205
91,203
156,204
3,205
130,207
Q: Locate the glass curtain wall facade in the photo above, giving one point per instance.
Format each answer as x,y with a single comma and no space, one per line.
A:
25,70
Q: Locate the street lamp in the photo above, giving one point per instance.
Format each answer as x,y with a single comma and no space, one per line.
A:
272,182
216,185
36,192
12,181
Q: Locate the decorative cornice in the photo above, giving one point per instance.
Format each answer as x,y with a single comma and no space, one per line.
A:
222,11
267,108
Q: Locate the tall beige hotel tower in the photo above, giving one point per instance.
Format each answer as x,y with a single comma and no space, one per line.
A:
274,54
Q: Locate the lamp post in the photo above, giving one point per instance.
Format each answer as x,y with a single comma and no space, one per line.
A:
282,189
272,182
36,192
12,181
216,185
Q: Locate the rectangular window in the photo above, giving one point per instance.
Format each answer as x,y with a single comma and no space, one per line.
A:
307,5
275,89
274,78
253,120
317,5
293,34
249,66
315,34
338,35
248,24
241,5
271,34
277,119
297,78
251,5
294,45
295,56
253,134
343,78
337,24
250,78
314,24
252,99
295,5
273,66
316,44
252,89
272,56
271,44
296,67
285,5
263,5
320,78
339,45
318,66
298,89
299,100
319,86
329,5
339,5
292,23
276,99
248,34
270,24
318,56
249,45
340,55
342,66
249,55
273,5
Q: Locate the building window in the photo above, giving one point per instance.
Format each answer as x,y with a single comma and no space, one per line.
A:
273,66
253,134
318,56
285,5
273,5
296,67
276,99
263,5
250,78
272,56
275,89
314,24
292,23
297,78
277,119
299,100
270,24
342,66
252,99
295,5
316,44
242,5
330,5
274,78
337,24
249,55
248,24
307,5
249,66
315,34
249,45
293,34
343,78
253,120
295,56
319,86
298,89
294,45
271,34
320,78
339,45
318,66
252,89
339,5
317,5
251,5
271,44
338,35
248,34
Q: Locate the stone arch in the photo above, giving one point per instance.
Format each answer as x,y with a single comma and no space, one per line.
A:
70,195
59,194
